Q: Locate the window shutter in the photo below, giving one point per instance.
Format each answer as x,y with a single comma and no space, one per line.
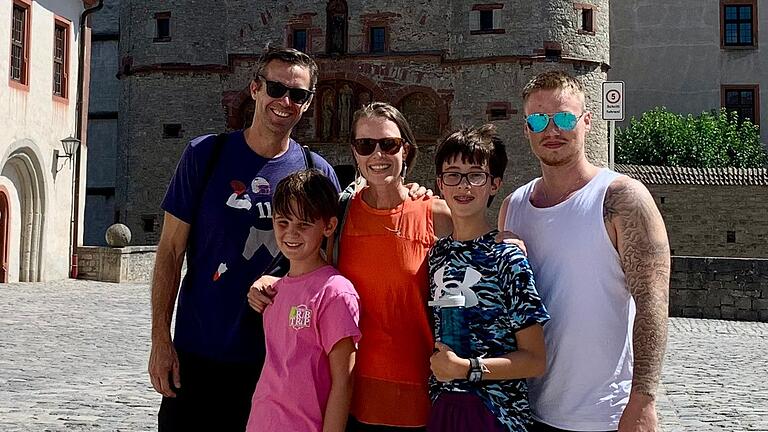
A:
474,20
497,19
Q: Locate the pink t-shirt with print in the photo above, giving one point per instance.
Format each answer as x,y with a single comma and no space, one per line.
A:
310,313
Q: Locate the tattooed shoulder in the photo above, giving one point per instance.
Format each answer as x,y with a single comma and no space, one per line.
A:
622,196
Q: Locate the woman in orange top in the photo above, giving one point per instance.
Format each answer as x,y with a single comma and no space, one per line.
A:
382,251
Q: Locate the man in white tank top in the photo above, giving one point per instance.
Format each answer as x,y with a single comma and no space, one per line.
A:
599,250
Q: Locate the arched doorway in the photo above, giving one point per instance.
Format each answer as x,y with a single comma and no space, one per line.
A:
24,171
5,219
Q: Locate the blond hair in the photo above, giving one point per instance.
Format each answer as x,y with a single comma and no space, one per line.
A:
554,80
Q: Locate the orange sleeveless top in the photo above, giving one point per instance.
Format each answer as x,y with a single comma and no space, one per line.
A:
384,254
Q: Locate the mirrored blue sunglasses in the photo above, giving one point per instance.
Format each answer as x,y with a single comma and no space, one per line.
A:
565,121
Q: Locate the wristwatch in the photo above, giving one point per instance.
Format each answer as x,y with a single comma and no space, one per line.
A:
475,373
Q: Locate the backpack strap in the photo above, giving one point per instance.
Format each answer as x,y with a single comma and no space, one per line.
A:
210,165
308,162
344,199
213,160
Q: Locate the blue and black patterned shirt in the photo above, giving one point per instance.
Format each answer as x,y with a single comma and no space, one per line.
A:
500,300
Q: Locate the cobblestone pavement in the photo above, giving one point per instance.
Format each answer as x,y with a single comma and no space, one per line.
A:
73,358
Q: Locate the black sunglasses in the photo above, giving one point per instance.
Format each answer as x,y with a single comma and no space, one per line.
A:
277,90
366,146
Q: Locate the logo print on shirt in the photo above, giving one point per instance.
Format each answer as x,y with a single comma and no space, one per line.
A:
454,287
258,238
300,317
260,186
239,198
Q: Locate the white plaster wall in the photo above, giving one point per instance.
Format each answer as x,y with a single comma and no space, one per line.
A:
668,54
32,120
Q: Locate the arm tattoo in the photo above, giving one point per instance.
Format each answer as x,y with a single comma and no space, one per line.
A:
641,240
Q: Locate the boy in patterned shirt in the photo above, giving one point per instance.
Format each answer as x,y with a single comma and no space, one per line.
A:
488,315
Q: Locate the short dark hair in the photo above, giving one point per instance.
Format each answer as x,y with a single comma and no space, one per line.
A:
474,145
308,195
387,111
290,56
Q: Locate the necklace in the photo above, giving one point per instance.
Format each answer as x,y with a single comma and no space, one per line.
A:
398,224
560,198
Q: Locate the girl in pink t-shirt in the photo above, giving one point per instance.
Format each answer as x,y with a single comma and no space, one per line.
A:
311,327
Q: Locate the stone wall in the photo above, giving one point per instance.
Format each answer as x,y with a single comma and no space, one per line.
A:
128,264
719,288
449,75
700,217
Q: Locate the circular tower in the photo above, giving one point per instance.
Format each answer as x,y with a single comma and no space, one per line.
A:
514,41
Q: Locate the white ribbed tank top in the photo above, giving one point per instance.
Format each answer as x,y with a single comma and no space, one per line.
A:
579,277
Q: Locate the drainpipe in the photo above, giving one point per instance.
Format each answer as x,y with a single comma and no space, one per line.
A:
74,218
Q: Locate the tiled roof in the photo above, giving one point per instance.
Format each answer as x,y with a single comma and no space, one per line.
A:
666,175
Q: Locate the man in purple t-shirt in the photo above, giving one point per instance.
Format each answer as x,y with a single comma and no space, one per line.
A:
218,212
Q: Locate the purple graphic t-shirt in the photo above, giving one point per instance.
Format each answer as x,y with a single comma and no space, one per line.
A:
230,242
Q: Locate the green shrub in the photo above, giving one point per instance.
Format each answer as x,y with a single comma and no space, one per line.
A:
712,139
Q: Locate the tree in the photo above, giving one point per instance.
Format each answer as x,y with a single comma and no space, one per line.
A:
712,139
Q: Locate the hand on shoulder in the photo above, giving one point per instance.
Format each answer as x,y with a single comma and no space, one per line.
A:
441,217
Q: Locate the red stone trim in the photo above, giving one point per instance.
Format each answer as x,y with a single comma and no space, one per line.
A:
24,83
350,62
302,22
492,31
755,100
5,226
755,24
370,24
487,6
381,16
550,46
581,7
233,102
67,25
377,92
500,105
162,15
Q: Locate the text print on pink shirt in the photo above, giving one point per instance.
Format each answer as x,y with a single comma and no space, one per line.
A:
300,317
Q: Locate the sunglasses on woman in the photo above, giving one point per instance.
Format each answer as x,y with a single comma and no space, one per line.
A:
277,90
565,121
366,146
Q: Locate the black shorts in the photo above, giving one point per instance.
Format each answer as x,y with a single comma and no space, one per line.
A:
213,396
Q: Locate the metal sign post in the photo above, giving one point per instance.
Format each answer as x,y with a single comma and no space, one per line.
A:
613,110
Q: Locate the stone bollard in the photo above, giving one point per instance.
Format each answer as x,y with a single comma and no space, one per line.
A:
118,235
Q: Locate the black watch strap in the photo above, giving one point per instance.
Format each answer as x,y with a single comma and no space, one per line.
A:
475,373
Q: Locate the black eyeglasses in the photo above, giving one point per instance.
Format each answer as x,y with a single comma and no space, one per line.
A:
277,90
366,146
473,178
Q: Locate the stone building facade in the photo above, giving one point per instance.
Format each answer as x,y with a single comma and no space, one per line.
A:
102,123
692,56
185,69
710,212
39,76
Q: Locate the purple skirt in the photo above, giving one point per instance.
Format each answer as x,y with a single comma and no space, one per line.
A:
462,412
